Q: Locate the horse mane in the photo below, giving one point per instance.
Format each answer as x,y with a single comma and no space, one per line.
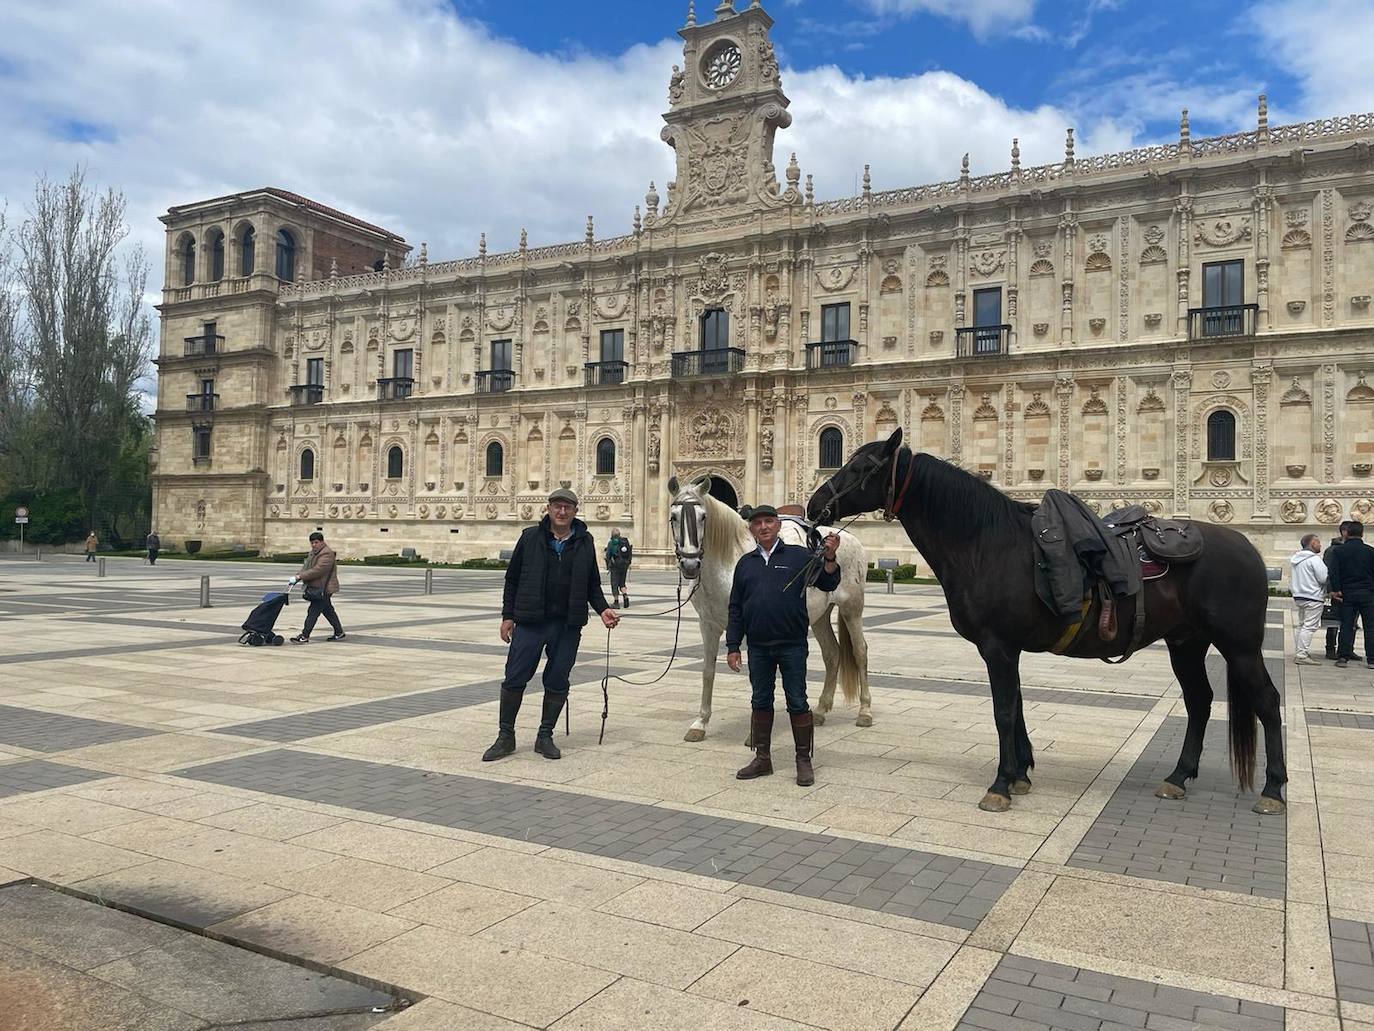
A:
727,534
956,502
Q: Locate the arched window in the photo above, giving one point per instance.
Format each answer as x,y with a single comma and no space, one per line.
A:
395,462
308,464
1221,436
496,459
605,457
215,244
188,261
832,448
247,245
286,255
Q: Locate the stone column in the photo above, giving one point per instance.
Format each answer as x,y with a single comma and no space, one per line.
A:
1183,208
1183,382
956,423
1259,380
751,454
1063,389
1068,225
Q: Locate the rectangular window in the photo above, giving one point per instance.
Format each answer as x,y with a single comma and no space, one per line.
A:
207,387
314,371
715,330
403,363
500,356
1223,284
201,443
987,312
834,322
612,345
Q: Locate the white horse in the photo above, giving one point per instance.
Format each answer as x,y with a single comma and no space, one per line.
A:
709,537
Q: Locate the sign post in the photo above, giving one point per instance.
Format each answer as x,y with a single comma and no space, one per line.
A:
21,516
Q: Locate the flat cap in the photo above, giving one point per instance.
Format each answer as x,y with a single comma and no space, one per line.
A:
563,494
762,510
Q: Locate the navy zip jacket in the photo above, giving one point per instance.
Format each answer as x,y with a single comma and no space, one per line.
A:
1352,570
762,607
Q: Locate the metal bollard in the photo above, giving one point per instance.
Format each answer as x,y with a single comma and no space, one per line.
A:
889,582
429,580
205,592
100,567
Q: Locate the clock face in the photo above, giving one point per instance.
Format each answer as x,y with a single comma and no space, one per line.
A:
722,66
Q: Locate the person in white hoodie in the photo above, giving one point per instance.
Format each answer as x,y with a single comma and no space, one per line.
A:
1307,585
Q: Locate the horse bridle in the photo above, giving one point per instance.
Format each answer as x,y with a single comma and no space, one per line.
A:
688,515
892,504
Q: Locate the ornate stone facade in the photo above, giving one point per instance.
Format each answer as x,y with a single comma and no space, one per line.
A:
1186,325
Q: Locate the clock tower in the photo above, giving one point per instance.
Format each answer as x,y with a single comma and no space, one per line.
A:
726,104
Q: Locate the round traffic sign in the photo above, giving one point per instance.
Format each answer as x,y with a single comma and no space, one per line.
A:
20,512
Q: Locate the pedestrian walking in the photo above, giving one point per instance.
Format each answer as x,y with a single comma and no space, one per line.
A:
1307,585
154,545
320,574
619,554
1333,632
551,582
92,542
1350,576
768,608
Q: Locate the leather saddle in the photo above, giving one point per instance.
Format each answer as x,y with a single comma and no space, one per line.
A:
1169,541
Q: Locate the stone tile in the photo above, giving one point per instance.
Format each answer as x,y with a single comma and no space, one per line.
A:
464,908
58,732
630,1005
277,822
438,1015
39,775
550,879
184,894
72,932
879,951
483,975
223,851
647,952
1160,931
361,883
63,858
313,928
70,814
809,992
392,846
668,905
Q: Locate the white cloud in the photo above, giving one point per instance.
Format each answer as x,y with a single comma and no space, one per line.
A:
1324,44
407,116
983,17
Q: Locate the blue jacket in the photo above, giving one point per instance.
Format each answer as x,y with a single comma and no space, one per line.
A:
762,607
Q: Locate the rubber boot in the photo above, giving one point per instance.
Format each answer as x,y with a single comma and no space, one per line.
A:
803,732
762,763
505,736
543,741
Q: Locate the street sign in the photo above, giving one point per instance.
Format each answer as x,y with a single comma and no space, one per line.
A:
21,512
21,520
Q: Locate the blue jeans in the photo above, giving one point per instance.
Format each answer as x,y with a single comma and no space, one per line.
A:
766,661
551,637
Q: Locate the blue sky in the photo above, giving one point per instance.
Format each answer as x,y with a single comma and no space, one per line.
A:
444,119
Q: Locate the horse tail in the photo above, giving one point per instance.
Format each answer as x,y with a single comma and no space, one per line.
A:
1242,716
849,664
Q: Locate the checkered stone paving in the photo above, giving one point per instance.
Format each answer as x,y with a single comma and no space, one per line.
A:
20,778
1344,720
1352,950
55,732
906,882
1210,839
1031,995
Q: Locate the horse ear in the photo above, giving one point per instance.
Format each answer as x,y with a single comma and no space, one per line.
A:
673,486
893,442
704,483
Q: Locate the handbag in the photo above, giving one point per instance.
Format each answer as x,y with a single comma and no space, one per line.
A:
314,593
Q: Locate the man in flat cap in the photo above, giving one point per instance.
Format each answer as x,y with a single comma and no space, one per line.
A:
768,606
552,580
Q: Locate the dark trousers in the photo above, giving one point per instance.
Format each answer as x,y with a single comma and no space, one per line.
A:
550,637
90,556
1350,608
322,608
152,556
1333,632
617,578
766,661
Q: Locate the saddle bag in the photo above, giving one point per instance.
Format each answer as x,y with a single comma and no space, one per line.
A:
1171,540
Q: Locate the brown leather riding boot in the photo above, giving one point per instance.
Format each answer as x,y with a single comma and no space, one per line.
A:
762,763
803,732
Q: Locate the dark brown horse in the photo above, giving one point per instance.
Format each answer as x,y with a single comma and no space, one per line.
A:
979,543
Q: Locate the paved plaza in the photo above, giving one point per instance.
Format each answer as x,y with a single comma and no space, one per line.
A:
317,820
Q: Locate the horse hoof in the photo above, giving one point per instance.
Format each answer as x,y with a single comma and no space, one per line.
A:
695,734
1169,790
1267,806
1020,787
818,717
864,720
994,803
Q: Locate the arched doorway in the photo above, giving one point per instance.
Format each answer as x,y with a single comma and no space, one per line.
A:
721,490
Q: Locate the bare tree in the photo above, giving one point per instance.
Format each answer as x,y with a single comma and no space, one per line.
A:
89,334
